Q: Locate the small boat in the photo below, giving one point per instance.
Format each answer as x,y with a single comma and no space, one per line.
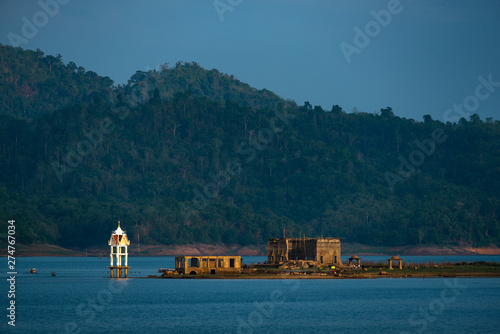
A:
32,270
54,273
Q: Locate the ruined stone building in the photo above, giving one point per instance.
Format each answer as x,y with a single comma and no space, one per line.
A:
208,265
322,250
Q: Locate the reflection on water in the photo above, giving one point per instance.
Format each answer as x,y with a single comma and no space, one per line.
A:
82,298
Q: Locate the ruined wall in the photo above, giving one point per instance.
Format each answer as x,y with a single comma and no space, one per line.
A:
208,265
301,249
328,251
323,250
277,250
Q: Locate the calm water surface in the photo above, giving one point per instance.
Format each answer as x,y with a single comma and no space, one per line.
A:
82,298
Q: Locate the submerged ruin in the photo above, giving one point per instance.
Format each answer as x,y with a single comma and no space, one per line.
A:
208,265
309,252
324,251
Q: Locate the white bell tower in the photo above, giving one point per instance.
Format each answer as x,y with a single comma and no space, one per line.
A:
119,249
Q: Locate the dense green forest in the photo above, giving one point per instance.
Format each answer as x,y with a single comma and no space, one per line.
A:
185,154
32,84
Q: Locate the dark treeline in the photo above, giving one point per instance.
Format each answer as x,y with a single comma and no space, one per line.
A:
184,154
32,83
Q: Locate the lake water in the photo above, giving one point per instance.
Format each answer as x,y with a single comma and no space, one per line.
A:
81,298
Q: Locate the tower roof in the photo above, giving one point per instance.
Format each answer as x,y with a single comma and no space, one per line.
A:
119,237
119,230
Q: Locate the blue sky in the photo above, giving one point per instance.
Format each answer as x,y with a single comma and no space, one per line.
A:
425,58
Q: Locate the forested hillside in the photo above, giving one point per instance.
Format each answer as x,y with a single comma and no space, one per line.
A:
32,84
212,84
190,155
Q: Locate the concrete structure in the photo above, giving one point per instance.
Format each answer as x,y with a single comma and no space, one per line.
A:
395,258
208,265
322,250
119,249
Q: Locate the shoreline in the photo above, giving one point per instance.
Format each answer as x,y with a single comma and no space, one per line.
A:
255,250
475,269
331,277
376,276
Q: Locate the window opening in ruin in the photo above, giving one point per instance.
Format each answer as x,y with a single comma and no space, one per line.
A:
231,263
194,262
